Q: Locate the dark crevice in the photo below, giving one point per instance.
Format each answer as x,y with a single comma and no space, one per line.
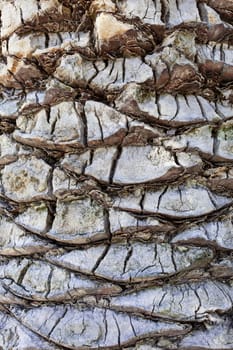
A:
127,258
164,11
160,196
114,163
214,136
202,12
107,227
23,273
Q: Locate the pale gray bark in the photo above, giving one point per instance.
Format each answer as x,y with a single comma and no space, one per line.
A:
116,190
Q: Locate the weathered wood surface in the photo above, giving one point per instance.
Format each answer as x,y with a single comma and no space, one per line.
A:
116,193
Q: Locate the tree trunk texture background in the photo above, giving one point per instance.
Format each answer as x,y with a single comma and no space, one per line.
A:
116,194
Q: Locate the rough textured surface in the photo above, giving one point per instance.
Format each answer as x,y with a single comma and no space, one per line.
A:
116,175
84,327
132,261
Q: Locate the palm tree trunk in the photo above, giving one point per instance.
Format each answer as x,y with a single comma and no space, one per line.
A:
116,174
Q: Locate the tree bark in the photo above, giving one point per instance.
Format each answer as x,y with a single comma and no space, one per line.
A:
116,141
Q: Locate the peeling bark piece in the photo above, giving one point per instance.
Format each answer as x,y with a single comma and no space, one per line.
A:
183,41
170,55
225,78
81,327
216,52
217,73
18,337
141,261
102,5
76,162
184,79
184,201
57,128
54,92
131,202
219,147
76,71
46,49
168,109
212,70
219,335
10,103
104,124
107,27
101,165
148,11
35,218
221,178
216,232
133,161
128,165
174,66
16,241
16,73
216,32
25,74
77,41
80,260
120,72
114,37
26,180
194,139
186,302
65,184
88,226
123,223
186,110
224,107
188,10
11,15
211,16
134,262
65,180
34,101
137,100
140,133
160,66
224,8
7,297
192,162
114,75
23,46
225,141
181,11
222,268
56,284
49,15
10,150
